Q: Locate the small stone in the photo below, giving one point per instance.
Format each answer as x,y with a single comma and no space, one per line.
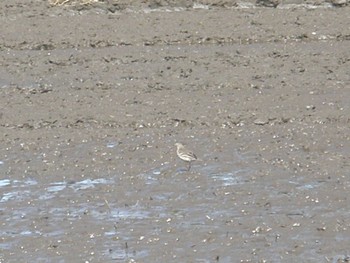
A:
340,2
268,3
310,107
261,121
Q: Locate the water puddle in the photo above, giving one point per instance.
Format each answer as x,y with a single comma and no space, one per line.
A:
230,178
88,183
120,254
4,182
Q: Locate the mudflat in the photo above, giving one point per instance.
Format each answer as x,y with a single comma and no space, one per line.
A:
94,96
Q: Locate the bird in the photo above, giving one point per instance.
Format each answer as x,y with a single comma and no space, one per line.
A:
185,154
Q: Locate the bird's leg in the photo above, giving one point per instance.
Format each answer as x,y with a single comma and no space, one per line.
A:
189,166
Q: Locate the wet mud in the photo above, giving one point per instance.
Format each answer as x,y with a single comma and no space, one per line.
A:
94,97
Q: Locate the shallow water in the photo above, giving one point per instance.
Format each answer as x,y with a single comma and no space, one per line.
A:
130,218
27,203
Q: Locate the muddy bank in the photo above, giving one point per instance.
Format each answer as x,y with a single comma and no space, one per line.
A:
92,102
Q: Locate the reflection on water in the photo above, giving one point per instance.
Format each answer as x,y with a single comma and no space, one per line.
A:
119,254
88,183
160,203
112,144
56,188
4,182
14,195
230,178
31,200
133,213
